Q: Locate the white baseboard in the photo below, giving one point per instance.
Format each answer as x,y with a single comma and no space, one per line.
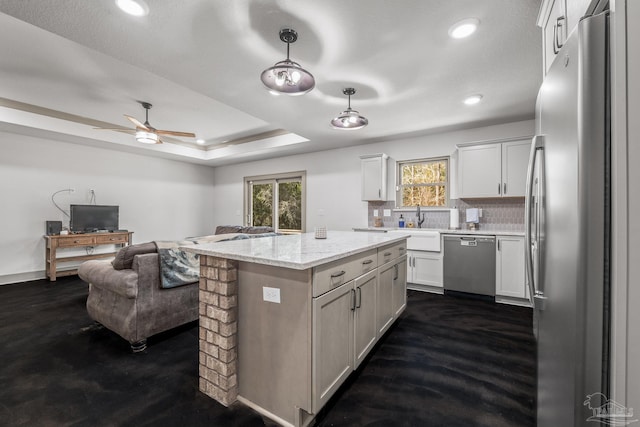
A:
22,277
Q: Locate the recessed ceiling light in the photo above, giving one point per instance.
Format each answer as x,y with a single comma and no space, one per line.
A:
473,99
464,28
133,7
200,141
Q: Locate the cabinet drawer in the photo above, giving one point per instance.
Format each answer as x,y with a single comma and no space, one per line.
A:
391,252
110,238
76,241
334,274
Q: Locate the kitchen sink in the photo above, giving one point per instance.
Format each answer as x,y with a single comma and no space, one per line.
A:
421,239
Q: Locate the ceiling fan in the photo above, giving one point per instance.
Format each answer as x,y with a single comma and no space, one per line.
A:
147,134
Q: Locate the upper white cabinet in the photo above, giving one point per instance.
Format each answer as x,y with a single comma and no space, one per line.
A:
493,170
558,18
374,177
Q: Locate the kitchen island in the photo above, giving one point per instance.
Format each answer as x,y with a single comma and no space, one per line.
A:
285,320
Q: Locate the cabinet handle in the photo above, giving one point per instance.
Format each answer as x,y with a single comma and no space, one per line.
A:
353,299
336,275
395,268
499,188
359,304
379,192
556,32
504,189
368,261
387,254
498,244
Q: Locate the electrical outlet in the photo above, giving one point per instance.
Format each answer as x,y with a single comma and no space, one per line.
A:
271,294
375,212
479,213
387,212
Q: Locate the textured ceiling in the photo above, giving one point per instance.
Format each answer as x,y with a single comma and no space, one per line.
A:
199,61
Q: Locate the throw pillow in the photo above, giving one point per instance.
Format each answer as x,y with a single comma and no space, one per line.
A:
124,257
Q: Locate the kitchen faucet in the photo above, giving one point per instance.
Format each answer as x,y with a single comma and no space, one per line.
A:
420,220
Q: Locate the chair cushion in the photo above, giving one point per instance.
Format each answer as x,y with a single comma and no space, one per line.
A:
124,257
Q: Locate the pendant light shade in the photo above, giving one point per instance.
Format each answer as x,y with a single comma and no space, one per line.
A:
286,76
349,119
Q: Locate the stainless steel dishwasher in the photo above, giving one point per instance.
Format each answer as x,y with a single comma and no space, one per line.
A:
470,264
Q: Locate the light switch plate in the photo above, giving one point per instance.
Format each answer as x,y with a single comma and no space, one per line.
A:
271,294
387,212
375,212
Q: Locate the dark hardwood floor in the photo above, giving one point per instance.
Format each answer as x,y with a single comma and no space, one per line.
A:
446,362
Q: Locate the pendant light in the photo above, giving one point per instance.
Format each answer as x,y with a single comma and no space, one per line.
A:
286,76
349,119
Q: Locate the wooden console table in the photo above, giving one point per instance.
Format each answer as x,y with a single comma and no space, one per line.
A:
66,241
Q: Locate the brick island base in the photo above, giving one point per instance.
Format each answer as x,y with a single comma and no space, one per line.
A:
219,329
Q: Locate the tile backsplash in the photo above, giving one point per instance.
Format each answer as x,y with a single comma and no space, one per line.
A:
497,214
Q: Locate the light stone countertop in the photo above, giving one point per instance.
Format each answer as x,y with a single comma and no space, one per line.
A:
482,231
297,251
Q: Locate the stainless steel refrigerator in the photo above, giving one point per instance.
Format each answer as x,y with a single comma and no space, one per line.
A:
567,221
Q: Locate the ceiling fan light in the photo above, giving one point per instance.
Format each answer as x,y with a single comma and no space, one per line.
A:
145,137
133,7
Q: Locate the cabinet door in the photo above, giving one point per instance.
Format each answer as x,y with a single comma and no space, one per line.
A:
426,268
332,342
554,32
510,277
374,178
364,321
515,159
479,171
399,286
384,314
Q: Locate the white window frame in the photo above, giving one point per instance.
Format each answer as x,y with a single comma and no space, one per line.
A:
275,179
399,186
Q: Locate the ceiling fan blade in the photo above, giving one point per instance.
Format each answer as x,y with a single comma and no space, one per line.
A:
175,133
119,129
137,122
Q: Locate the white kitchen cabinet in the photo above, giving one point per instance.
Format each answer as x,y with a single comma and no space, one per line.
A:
493,170
399,299
332,342
385,297
510,275
364,316
558,18
424,268
374,176
345,331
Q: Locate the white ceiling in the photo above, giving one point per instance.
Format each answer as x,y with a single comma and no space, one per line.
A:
68,66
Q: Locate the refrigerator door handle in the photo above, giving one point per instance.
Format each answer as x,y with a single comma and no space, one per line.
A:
538,298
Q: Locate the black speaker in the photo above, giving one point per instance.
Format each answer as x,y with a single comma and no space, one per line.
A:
53,227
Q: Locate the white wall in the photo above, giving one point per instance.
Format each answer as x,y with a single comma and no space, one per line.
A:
333,177
159,199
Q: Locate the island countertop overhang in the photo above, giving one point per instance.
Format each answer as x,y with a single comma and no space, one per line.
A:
297,251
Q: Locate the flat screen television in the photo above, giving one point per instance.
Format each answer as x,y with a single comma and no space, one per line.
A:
91,218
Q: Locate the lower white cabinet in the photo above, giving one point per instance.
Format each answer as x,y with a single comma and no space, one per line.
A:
344,332
399,297
510,275
424,268
392,293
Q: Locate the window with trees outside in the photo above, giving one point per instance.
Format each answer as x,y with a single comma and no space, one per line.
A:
423,182
276,201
